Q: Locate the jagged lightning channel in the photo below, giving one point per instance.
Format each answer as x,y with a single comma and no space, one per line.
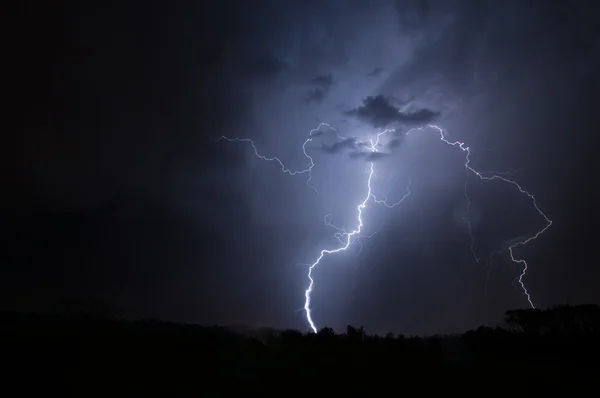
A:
346,238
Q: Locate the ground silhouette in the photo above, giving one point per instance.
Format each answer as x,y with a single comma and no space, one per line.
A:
535,352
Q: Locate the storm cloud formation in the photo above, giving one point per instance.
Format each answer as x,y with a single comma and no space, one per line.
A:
379,112
119,194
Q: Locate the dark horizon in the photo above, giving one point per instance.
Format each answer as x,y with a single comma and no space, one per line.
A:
119,196
538,351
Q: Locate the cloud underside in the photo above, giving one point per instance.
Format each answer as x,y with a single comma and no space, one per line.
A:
379,112
356,149
369,156
336,147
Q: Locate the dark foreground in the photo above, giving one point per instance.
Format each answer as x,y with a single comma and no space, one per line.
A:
538,352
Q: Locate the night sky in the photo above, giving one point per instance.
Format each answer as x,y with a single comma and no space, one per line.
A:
119,198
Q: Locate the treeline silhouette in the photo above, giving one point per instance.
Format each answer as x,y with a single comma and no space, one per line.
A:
536,351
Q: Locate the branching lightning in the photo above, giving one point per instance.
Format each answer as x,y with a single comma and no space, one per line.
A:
498,177
347,238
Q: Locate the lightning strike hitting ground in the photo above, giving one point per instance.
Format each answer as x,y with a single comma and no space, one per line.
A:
349,236
345,245
346,238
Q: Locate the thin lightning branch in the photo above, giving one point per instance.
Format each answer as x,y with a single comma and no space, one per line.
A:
373,148
359,241
340,232
500,173
308,171
360,247
385,199
488,267
466,220
481,176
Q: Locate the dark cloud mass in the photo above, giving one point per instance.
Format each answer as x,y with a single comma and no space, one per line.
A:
119,195
379,112
422,116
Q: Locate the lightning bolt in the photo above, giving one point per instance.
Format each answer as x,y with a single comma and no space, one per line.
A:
341,234
346,238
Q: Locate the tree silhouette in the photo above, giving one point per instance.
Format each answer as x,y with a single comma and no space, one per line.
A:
182,360
557,320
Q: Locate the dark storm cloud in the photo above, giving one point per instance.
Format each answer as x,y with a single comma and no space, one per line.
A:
336,147
421,116
379,112
376,111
